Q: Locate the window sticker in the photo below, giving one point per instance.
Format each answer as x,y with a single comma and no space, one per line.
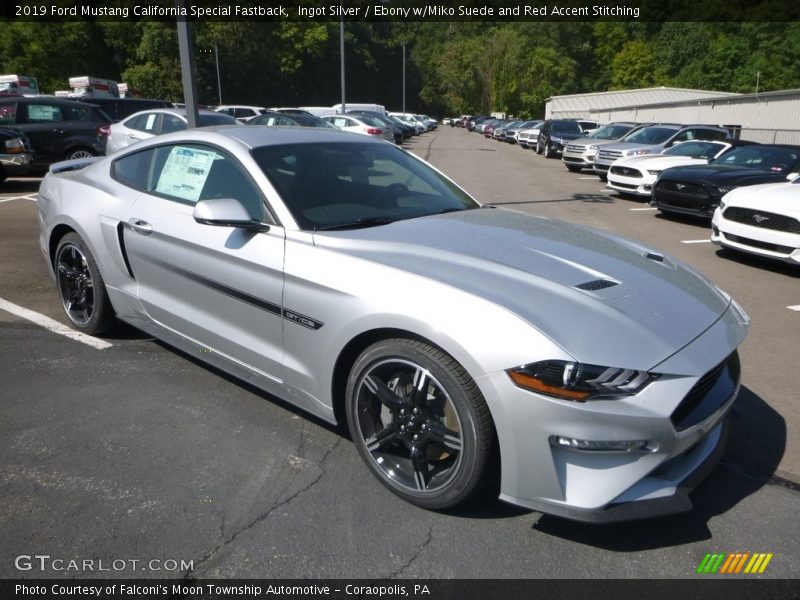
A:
185,173
151,119
43,112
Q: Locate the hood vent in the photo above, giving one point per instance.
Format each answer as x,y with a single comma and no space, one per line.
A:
595,285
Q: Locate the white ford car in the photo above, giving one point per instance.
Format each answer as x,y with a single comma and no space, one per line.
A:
636,175
761,219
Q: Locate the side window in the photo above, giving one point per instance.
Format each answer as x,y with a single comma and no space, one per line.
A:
44,113
171,123
145,122
682,137
8,113
188,173
133,170
711,134
71,113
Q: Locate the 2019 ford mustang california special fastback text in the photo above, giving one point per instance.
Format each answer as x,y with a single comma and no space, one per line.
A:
457,341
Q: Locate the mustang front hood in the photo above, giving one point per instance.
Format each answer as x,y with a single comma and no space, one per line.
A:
602,298
719,174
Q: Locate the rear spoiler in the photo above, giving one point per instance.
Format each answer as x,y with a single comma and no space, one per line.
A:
73,165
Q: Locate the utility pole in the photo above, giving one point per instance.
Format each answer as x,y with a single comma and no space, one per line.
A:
404,77
187,66
219,81
341,53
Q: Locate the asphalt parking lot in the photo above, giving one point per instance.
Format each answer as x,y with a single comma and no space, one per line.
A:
135,452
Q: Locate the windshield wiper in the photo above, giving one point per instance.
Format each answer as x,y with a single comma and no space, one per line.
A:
358,223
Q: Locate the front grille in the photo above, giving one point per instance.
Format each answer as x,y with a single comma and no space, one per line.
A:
575,148
609,154
627,186
626,172
682,189
760,218
709,394
759,244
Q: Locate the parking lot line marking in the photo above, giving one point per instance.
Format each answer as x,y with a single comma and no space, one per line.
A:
26,197
590,178
795,307
648,208
695,241
607,191
52,325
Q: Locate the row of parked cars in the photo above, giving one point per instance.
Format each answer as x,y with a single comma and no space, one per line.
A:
749,191
36,131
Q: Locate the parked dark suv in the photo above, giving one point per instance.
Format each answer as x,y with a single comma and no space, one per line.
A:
58,129
554,135
119,108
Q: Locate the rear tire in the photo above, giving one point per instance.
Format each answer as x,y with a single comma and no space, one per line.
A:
79,153
81,287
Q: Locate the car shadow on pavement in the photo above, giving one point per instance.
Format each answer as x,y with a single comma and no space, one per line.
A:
686,220
20,186
756,445
760,262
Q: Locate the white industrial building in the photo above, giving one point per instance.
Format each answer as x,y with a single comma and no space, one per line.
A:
769,117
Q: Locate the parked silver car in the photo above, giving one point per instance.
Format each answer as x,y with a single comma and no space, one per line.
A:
148,123
653,140
356,281
579,154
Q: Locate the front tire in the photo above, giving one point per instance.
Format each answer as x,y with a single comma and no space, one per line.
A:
81,287
547,152
420,423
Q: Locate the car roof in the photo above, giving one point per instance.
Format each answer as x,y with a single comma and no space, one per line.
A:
181,112
46,100
255,137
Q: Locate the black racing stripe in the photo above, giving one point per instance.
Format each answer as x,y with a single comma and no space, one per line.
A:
275,309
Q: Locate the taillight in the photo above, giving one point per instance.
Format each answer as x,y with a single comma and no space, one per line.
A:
104,130
374,131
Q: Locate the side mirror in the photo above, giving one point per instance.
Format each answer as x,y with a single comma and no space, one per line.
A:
226,212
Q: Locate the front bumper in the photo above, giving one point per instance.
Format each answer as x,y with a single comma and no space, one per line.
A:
16,165
604,487
639,186
780,245
583,158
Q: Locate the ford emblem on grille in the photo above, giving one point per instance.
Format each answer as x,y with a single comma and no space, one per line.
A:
760,218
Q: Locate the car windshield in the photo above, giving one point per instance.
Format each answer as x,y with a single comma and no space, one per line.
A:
206,120
696,149
339,185
562,127
610,132
651,135
778,160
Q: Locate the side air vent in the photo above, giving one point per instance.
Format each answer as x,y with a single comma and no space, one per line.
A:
597,284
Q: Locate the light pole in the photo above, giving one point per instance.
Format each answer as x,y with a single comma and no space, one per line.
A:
216,59
219,81
341,53
404,78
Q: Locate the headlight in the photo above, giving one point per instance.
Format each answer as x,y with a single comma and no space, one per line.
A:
656,173
579,382
636,152
14,146
724,189
594,147
555,139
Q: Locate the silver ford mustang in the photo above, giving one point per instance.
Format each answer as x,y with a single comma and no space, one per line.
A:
461,343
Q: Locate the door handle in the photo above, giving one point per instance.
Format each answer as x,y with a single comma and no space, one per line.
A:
133,137
140,226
